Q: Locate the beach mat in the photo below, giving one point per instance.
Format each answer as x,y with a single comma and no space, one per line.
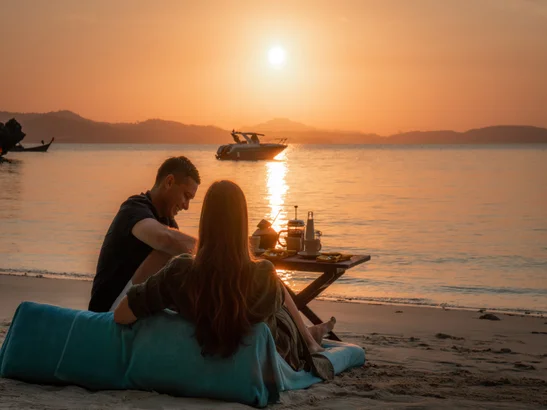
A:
52,345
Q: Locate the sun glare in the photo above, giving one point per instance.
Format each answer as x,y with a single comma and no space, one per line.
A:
277,189
276,56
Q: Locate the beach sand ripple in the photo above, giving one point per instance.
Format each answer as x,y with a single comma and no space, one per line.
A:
424,359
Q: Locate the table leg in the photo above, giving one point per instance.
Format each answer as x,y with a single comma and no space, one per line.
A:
317,287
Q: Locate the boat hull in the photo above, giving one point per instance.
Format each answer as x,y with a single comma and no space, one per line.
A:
234,152
38,148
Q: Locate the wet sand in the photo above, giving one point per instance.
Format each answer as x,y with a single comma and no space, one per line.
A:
416,358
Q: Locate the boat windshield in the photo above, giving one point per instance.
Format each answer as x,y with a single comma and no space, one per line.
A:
249,137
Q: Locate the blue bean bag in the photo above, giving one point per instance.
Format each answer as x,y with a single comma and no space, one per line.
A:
53,345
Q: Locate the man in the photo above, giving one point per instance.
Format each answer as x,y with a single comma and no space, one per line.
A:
144,235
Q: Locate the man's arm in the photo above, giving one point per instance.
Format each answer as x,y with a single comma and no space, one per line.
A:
163,238
155,261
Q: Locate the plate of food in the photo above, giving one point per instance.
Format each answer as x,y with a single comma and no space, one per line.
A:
277,253
333,257
308,255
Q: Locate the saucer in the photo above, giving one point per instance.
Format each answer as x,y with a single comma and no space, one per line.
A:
259,251
307,255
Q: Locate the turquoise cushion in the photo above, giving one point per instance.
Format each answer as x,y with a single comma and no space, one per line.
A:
48,344
35,353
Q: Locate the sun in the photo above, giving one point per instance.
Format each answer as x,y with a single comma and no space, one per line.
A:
277,56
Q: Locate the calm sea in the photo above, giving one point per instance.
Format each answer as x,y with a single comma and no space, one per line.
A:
446,225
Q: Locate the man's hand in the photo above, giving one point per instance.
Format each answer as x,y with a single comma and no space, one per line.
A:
163,238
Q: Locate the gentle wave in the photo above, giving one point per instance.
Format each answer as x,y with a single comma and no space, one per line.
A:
494,290
424,303
347,279
502,261
345,298
45,273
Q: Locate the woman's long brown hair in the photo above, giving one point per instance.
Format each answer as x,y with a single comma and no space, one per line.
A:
219,283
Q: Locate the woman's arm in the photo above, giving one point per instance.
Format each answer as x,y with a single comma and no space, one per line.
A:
159,292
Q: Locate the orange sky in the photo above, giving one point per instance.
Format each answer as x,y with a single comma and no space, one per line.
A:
375,66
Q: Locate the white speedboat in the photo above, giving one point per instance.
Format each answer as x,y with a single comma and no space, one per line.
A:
250,148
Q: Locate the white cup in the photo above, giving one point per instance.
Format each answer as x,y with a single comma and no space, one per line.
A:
312,246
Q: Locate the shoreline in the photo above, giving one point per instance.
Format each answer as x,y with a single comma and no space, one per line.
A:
502,311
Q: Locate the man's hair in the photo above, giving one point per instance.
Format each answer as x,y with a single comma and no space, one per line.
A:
181,167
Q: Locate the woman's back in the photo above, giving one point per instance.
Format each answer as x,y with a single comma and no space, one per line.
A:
210,309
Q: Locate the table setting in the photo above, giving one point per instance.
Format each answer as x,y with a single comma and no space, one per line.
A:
300,239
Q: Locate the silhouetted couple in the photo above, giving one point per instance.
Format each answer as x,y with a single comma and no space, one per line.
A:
146,265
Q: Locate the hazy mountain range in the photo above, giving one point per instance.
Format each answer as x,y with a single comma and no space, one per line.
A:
69,127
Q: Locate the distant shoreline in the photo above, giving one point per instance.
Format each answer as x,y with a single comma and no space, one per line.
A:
306,143
68,127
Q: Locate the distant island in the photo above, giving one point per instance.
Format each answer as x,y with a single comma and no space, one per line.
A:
68,127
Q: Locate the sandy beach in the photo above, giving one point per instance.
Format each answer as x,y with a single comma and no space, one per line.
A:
416,358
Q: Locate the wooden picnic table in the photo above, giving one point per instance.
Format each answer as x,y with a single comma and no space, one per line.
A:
331,272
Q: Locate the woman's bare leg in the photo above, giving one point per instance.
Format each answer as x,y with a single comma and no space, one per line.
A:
318,330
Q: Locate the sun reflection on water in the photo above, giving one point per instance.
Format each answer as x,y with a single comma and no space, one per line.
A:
286,276
277,189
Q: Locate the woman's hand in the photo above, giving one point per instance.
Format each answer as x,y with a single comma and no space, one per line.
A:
123,313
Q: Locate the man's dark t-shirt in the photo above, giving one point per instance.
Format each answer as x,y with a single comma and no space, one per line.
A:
122,253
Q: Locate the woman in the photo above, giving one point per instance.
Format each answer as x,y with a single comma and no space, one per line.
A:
224,291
